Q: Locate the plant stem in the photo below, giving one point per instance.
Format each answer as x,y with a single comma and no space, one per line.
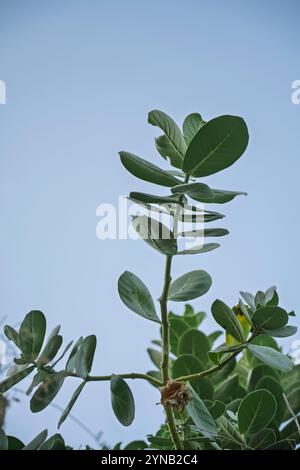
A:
173,431
132,375
204,373
166,350
165,321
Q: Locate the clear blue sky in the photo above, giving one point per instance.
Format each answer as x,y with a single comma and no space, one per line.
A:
81,77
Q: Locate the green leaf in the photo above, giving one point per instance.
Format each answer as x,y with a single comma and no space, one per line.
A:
155,234
85,356
147,171
3,440
191,125
197,191
153,199
262,439
216,146
199,216
269,294
161,442
257,373
14,443
290,431
225,317
285,444
71,404
38,378
12,335
172,144
270,318
201,249
249,299
293,397
71,362
283,332
136,296
201,417
14,379
190,286
55,442
155,357
207,232
186,365
221,196
273,386
62,354
122,400
47,391
271,357
225,390
50,350
216,409
212,338
37,441
194,342
177,327
32,334
260,299
256,411
228,435
166,150
203,388
136,445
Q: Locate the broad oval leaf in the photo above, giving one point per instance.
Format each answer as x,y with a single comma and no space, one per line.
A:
71,362
256,411
147,171
271,357
37,441
50,350
155,357
262,439
55,442
153,199
225,317
221,196
197,191
31,334
201,249
186,365
171,145
270,318
273,386
85,356
216,146
155,234
12,335
283,332
122,400
207,232
70,405
136,296
47,391
14,379
249,299
257,373
191,125
201,417
190,286
196,343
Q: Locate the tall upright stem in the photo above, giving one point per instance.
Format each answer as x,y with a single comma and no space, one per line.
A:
165,320
166,350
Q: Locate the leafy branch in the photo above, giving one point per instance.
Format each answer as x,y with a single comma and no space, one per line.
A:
195,381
